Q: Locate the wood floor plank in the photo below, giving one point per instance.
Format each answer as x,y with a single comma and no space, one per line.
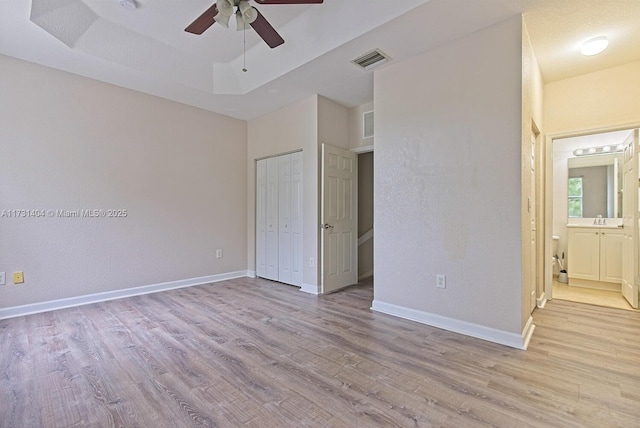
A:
255,353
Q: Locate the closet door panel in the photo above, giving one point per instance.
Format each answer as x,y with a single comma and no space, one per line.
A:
284,213
296,219
261,218
272,220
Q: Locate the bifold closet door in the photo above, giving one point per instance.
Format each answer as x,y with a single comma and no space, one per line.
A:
279,218
296,218
272,220
284,218
261,218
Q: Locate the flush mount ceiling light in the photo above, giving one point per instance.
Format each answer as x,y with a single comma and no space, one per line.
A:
594,46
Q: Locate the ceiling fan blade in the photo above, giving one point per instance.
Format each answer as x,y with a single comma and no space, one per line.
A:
203,22
289,1
267,32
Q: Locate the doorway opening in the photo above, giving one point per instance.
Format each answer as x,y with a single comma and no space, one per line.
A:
365,216
587,199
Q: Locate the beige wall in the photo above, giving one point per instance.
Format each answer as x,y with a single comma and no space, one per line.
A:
301,126
532,122
333,123
448,183
71,143
603,99
291,128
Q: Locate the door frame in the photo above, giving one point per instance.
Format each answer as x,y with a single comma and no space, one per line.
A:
548,194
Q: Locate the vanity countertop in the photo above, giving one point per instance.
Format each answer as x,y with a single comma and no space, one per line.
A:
595,226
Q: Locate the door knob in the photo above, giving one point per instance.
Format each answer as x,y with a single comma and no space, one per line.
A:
327,226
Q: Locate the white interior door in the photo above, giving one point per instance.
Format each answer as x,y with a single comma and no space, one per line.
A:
630,214
339,239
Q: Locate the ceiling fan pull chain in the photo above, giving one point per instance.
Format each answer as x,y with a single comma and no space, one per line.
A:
244,51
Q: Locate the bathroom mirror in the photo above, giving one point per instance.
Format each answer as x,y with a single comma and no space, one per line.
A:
595,186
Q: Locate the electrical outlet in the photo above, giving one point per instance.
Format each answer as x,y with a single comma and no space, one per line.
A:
441,281
3,278
18,277
312,262
218,254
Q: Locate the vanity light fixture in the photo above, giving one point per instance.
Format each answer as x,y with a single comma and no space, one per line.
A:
594,46
598,150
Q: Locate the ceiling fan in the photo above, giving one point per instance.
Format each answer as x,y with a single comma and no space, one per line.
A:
246,14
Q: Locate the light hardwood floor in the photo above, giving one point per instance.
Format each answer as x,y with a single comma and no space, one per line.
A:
251,352
609,299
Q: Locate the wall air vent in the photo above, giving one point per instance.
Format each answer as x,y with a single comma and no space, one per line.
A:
371,59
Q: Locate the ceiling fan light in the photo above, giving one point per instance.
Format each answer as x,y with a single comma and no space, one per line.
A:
249,14
240,24
594,46
225,7
222,19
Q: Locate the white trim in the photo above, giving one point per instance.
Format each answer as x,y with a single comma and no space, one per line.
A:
542,300
527,333
308,288
251,273
514,340
363,149
364,124
34,308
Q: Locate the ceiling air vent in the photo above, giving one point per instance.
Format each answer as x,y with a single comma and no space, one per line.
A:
371,59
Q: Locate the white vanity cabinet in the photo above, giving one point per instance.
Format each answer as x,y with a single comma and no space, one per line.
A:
595,256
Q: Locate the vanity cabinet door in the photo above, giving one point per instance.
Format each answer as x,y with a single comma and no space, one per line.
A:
611,255
584,254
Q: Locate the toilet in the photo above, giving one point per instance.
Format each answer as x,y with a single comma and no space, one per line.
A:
554,250
562,276
554,253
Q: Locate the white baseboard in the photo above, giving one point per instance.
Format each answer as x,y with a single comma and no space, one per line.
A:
527,333
541,301
34,308
513,340
251,273
308,288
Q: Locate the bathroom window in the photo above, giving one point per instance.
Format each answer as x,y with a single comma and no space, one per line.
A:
575,197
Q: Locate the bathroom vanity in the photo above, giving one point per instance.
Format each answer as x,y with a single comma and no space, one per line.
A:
595,256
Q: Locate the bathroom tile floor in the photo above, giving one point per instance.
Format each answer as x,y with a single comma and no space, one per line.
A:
610,299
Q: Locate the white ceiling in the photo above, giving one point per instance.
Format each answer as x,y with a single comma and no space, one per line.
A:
146,49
